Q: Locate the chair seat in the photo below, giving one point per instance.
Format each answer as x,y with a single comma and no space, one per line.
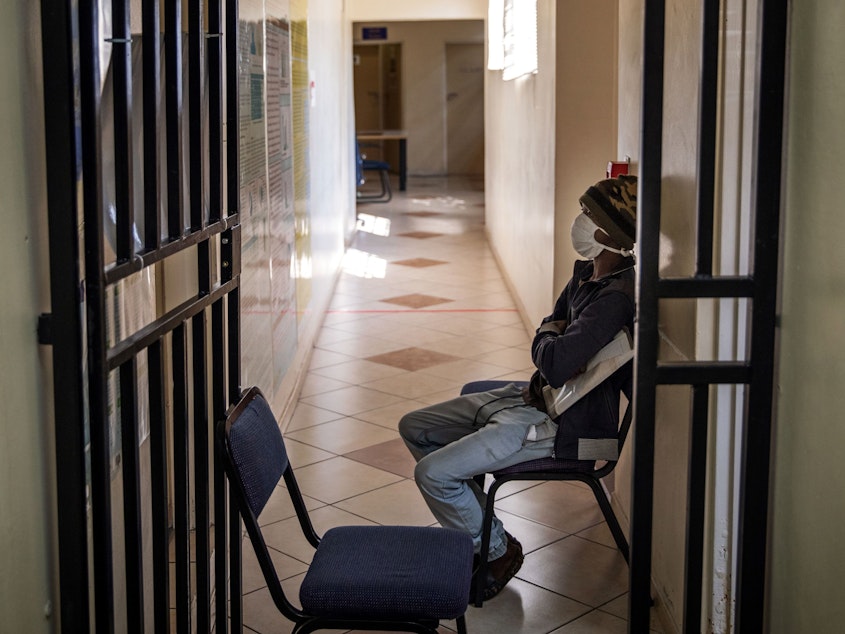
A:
388,572
548,465
375,165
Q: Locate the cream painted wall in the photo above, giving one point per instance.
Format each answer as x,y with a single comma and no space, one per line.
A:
25,428
807,550
362,10
424,84
520,175
586,102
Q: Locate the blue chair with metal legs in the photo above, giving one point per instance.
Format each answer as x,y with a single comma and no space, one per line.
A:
548,469
389,578
363,165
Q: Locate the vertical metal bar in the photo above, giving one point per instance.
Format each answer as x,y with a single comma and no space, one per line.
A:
201,471
133,541
196,73
173,115
757,433
181,482
214,51
696,495
707,129
648,221
60,131
89,52
219,404
122,74
151,60
158,485
233,192
236,599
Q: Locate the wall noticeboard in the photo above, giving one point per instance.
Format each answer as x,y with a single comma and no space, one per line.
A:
374,33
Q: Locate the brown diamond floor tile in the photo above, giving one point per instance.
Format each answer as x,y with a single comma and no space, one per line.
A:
423,214
420,235
391,456
420,262
412,359
416,300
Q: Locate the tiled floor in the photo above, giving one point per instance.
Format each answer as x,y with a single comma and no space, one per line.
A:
420,309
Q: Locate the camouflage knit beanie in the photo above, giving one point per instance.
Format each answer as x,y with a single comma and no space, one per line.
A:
612,205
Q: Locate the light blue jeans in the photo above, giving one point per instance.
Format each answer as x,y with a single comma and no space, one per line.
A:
470,435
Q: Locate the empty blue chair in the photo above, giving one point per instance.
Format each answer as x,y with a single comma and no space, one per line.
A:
396,578
362,165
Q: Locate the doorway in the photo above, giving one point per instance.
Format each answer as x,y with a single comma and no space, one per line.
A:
465,109
377,79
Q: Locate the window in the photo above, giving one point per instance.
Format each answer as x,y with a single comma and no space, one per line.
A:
512,36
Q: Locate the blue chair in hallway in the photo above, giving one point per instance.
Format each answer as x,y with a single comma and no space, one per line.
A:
549,469
389,578
363,165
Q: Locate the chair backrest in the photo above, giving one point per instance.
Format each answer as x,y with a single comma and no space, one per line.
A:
251,447
256,447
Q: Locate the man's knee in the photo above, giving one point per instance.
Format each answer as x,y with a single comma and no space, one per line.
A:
409,426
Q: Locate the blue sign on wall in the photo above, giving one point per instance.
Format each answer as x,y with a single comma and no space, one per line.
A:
374,32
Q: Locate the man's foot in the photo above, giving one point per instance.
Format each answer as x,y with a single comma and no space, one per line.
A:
501,570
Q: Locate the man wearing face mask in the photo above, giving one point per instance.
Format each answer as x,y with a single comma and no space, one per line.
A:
483,432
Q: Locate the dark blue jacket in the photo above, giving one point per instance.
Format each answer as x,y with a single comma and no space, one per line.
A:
593,311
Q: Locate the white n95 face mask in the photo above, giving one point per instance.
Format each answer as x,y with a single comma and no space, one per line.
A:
583,237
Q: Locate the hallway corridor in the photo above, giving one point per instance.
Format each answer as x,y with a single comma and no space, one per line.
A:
420,309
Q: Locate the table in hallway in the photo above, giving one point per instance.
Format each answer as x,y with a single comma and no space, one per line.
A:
391,135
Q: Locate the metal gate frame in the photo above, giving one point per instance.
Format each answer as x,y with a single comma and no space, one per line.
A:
176,342
761,287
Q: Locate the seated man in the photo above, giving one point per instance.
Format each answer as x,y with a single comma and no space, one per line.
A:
483,432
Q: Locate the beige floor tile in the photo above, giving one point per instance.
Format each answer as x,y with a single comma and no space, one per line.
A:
619,607
390,415
301,454
579,569
514,358
340,478
466,347
595,622
523,607
286,536
395,504
466,370
305,415
315,384
321,358
351,400
391,456
343,435
359,371
411,385
252,576
363,347
560,504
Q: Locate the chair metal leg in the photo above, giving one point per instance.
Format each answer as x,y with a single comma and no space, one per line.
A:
609,516
462,624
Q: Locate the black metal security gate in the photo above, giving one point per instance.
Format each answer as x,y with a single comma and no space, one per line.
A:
757,373
141,184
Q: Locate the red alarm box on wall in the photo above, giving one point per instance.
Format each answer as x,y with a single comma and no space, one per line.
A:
615,168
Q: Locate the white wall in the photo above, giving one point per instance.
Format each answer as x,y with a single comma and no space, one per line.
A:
807,550
362,10
25,433
520,174
586,118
